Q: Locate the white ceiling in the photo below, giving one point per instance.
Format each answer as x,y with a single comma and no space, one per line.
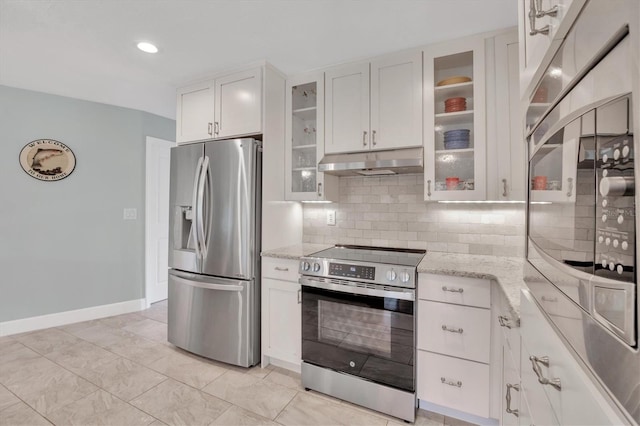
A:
86,48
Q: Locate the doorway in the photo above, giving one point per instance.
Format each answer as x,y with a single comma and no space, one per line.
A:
157,173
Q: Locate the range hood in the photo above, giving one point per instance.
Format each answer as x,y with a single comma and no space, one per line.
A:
373,163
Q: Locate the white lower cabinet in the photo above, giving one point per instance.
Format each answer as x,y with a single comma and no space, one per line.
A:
453,382
281,313
454,343
571,397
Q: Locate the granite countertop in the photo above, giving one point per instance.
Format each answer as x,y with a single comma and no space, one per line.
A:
506,271
295,252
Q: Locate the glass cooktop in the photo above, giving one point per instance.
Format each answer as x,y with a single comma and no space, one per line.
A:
390,256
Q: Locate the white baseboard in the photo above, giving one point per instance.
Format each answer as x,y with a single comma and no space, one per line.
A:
69,317
450,412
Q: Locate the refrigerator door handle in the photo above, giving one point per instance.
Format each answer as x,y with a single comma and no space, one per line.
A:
194,203
194,281
200,207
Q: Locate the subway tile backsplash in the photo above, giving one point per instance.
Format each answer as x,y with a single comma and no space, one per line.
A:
390,211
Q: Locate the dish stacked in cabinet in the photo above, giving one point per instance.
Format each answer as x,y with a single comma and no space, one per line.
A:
454,342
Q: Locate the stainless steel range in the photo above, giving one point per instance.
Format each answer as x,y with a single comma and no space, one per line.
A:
358,326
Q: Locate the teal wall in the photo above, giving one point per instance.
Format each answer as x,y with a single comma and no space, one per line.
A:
64,245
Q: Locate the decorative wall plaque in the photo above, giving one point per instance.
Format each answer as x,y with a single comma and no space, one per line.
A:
47,159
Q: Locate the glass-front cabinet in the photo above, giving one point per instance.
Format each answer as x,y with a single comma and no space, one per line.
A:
454,122
305,141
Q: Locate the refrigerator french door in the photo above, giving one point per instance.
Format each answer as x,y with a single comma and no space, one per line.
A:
214,250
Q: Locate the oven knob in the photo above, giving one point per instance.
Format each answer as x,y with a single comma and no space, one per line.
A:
604,217
625,151
404,276
391,275
605,173
615,243
316,267
624,245
605,158
604,263
604,203
600,239
620,269
612,266
620,219
617,185
616,154
305,266
607,241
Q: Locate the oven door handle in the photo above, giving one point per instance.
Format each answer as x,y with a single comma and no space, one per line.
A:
408,294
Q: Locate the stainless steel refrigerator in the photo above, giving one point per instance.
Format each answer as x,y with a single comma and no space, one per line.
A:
214,250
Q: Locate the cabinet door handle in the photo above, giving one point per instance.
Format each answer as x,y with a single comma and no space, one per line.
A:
299,296
278,268
504,321
373,137
549,299
544,360
570,184
452,329
542,13
504,187
364,138
210,129
216,128
452,290
508,398
319,189
456,383
532,21
429,188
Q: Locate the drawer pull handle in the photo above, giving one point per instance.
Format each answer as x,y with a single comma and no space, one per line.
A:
508,398
549,299
452,290
504,321
457,384
544,360
277,268
451,329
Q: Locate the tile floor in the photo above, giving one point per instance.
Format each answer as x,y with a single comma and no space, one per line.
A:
122,371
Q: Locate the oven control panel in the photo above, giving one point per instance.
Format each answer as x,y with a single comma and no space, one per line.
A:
399,276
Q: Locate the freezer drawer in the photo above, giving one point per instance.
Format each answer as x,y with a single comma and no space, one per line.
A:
215,317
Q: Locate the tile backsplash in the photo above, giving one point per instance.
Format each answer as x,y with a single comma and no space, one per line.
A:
391,211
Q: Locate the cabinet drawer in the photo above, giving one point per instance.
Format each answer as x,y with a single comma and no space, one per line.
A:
454,383
454,330
280,269
459,290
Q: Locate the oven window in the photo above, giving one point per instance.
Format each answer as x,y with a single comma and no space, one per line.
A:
369,337
562,195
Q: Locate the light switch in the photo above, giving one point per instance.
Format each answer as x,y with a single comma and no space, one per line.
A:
331,217
130,213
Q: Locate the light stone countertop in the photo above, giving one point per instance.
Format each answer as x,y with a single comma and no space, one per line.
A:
506,271
295,252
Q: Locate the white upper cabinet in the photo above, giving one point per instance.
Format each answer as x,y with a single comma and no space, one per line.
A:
347,109
455,120
506,161
238,108
224,107
374,106
543,24
396,101
194,119
305,141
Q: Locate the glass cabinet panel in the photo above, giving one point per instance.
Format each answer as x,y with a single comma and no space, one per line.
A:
454,127
303,144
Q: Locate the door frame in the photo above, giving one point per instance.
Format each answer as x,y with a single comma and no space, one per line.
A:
150,261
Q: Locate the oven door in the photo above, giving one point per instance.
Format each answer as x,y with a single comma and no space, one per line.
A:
370,336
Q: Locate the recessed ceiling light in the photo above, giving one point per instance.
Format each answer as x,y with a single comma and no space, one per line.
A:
147,47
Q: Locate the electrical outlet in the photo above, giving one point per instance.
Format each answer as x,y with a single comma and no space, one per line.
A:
130,213
331,217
